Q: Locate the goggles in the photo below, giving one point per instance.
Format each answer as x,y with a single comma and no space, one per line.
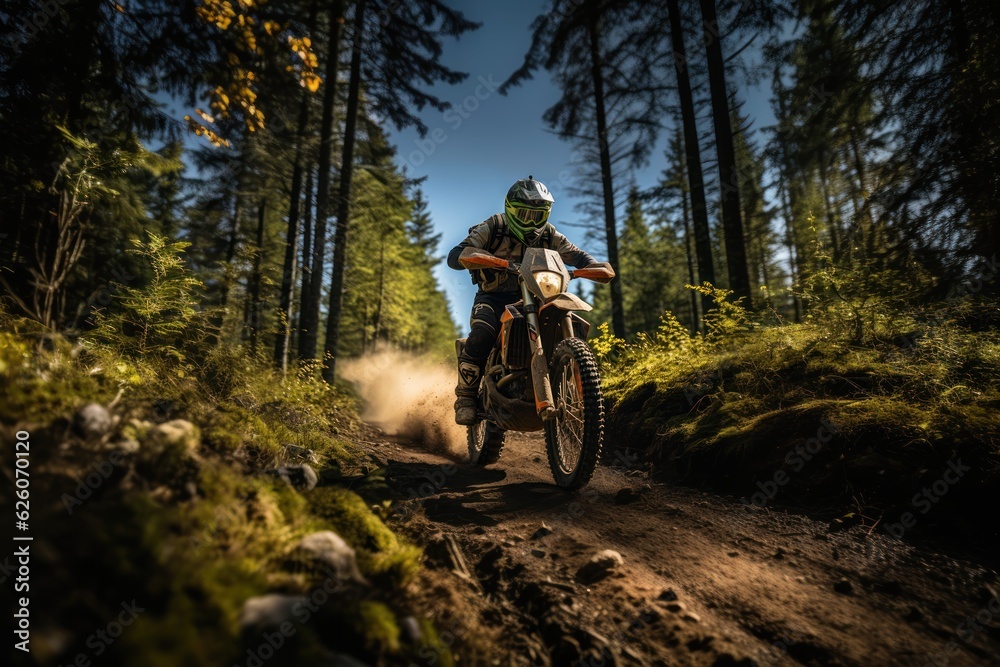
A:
530,214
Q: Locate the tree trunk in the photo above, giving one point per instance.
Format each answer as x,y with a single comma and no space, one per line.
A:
285,301
786,209
689,254
377,319
344,201
291,247
309,322
234,231
692,152
788,200
307,237
831,218
610,227
256,315
732,225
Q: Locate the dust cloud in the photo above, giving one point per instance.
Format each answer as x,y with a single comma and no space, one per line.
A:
409,397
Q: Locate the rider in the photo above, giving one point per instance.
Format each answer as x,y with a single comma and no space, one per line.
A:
524,223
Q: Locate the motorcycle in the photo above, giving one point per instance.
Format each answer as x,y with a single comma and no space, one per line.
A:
541,373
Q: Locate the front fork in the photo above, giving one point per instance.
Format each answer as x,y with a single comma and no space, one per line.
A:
544,401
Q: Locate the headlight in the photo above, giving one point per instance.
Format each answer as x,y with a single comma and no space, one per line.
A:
549,282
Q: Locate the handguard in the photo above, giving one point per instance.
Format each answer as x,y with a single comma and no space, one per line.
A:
477,258
599,272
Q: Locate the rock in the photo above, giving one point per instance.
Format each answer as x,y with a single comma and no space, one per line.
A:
170,450
844,587
691,617
733,554
128,445
537,459
267,612
92,420
544,531
538,553
327,551
411,630
178,435
301,477
779,554
627,496
303,453
676,607
914,615
668,595
600,566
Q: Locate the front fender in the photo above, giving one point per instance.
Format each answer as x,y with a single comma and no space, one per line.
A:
568,302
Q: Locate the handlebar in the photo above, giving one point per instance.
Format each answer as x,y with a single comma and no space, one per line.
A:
475,258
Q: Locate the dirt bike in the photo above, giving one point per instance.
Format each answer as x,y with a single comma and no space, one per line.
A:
541,374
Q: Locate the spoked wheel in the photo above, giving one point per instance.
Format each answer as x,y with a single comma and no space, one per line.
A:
485,441
575,436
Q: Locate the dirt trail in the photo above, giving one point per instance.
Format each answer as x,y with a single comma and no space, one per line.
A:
705,580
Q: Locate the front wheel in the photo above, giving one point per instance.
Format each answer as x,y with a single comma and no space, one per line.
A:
574,437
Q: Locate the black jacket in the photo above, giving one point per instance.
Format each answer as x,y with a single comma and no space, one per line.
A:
506,246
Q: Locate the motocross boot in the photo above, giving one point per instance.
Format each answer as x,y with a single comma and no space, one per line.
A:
466,407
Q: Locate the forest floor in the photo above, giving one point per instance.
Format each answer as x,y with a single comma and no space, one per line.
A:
704,580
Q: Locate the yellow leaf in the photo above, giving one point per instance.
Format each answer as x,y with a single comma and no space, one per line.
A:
311,81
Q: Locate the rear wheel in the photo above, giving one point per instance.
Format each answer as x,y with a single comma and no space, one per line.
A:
575,436
485,438
485,443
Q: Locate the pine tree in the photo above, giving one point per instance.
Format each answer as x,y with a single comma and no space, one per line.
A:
309,313
407,50
421,230
732,224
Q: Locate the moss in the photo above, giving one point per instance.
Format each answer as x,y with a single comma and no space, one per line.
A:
194,529
377,623
381,554
726,410
43,378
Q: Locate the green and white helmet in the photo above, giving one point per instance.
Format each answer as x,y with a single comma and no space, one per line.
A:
527,206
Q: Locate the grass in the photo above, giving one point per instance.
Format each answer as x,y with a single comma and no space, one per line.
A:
191,533
919,389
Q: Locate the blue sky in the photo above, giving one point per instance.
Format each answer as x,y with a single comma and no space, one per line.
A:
474,152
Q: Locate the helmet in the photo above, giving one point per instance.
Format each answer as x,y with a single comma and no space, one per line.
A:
527,206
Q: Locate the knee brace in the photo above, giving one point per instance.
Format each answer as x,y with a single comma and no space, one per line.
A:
479,343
